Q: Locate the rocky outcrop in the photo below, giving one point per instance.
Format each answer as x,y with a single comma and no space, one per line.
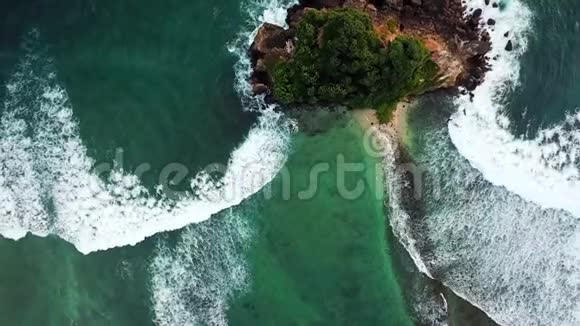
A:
451,68
271,44
509,46
456,41
269,37
319,4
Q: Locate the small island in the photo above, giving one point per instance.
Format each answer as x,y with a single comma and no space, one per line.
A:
368,54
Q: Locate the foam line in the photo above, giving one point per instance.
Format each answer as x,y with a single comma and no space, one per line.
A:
192,281
47,185
544,170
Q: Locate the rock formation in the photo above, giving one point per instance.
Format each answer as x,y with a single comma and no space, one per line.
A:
456,41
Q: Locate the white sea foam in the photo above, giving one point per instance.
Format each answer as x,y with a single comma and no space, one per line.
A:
511,258
47,185
192,282
499,226
544,170
276,12
400,220
428,307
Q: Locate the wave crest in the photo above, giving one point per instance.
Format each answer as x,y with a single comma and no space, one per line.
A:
47,185
545,170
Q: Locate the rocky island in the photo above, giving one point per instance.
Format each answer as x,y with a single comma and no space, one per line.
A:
368,53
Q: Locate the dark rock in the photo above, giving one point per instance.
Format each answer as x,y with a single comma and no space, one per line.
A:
318,4
485,37
477,48
261,77
487,2
506,34
272,43
395,4
471,84
491,21
269,36
475,18
259,89
360,4
371,10
269,99
495,5
293,15
409,10
260,66
509,46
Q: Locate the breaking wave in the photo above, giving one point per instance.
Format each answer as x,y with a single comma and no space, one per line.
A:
193,279
47,185
513,259
191,283
546,169
499,216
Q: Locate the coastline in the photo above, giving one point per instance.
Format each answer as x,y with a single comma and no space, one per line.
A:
455,39
458,48
429,298
367,119
423,295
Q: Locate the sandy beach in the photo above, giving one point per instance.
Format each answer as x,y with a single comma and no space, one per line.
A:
367,118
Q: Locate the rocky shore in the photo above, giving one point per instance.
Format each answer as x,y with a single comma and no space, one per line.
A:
459,46
422,291
457,42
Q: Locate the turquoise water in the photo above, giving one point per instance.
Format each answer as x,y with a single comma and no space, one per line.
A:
551,70
498,218
160,83
120,83
157,88
47,282
281,259
323,260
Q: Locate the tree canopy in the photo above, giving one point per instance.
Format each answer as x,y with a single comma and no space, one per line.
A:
340,59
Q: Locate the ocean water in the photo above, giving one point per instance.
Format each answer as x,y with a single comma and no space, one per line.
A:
98,193
141,184
97,100
120,127
323,259
289,255
499,205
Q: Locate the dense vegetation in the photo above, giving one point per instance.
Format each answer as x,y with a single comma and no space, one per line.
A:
339,58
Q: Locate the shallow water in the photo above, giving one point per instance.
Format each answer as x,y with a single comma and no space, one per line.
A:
160,90
88,82
500,214
323,260
116,84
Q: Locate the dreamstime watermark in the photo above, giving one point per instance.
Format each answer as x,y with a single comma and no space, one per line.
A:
375,171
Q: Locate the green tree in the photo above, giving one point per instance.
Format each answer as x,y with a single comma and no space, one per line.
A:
339,58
